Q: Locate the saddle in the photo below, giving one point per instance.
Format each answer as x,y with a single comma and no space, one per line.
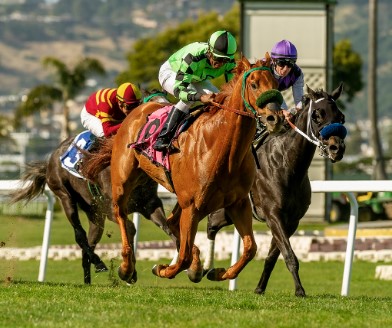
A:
72,157
150,131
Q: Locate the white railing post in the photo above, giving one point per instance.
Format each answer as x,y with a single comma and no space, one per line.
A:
136,222
352,229
46,238
234,256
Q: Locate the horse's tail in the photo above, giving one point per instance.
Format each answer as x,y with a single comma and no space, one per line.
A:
95,161
36,173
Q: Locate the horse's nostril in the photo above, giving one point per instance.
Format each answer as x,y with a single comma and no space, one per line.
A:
271,118
333,148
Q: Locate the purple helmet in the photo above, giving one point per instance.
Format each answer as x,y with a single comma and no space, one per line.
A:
284,49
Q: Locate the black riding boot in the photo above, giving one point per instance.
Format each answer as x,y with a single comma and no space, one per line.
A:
168,130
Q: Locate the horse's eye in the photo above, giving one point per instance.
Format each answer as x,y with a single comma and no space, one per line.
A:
253,85
318,115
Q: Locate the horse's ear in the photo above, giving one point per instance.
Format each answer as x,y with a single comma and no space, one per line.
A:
243,64
240,64
268,59
246,63
337,92
311,94
309,90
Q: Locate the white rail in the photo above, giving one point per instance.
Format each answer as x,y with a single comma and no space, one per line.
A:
343,186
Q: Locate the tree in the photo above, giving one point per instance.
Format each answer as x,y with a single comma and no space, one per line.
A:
347,68
148,54
68,84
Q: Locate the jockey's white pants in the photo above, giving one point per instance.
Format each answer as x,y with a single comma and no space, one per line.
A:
92,123
167,78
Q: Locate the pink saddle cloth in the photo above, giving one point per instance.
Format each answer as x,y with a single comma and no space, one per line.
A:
148,135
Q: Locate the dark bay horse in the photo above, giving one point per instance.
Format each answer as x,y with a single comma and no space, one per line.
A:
213,168
94,199
281,193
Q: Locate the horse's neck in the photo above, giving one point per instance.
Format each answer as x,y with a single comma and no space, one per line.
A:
232,129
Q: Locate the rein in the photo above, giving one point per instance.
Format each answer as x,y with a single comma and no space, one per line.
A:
239,112
312,138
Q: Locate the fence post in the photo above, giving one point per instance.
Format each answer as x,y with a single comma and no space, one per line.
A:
46,237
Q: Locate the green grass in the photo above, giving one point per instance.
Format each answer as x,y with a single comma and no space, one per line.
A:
63,301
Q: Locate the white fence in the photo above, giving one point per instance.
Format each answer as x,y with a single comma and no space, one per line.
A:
343,186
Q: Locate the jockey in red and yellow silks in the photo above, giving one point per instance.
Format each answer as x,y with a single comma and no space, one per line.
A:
105,109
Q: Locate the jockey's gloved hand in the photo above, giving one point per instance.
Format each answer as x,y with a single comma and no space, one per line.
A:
293,111
207,98
287,114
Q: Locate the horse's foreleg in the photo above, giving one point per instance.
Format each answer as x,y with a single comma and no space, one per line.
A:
159,218
95,233
269,264
209,260
241,215
216,221
188,256
86,265
282,241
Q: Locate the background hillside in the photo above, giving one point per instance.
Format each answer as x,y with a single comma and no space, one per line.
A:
106,30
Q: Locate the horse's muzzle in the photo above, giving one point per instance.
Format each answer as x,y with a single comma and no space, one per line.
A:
335,148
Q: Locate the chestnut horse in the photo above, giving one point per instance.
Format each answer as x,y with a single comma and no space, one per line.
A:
213,168
94,199
281,193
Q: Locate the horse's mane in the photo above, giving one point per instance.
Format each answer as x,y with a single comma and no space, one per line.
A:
96,161
228,88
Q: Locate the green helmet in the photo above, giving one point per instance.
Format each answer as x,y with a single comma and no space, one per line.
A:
222,44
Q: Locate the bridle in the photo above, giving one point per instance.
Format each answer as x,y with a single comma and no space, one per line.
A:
162,97
310,134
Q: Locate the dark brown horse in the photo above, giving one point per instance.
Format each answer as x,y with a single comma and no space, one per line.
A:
93,199
213,168
281,193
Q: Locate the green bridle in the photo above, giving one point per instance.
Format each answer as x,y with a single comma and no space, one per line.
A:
244,77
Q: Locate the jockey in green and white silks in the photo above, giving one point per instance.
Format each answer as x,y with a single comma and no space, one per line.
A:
187,74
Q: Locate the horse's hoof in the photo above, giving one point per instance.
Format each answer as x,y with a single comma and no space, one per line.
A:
125,277
133,279
156,269
259,291
195,276
300,293
101,267
216,274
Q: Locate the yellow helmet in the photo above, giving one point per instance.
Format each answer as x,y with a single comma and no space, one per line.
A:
129,93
